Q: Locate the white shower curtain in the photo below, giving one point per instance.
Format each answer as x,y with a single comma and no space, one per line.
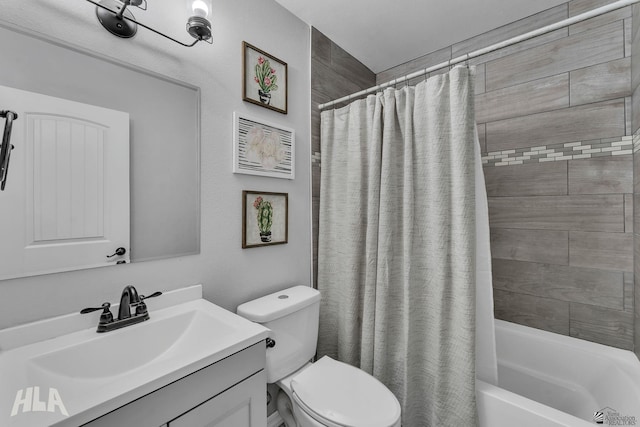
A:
397,246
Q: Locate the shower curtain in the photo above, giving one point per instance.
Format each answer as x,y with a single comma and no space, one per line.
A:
397,246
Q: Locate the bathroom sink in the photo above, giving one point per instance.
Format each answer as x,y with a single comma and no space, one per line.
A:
116,353
96,373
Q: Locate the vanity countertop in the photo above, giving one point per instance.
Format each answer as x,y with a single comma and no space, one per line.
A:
60,372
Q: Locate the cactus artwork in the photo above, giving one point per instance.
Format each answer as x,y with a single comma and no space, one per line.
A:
264,217
266,78
265,75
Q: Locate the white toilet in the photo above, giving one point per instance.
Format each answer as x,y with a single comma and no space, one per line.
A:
324,393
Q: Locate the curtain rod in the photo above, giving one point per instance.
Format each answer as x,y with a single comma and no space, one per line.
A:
463,58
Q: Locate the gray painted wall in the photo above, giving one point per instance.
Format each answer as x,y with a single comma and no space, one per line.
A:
229,274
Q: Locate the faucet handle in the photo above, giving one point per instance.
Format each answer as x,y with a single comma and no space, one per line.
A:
153,295
105,317
141,307
105,306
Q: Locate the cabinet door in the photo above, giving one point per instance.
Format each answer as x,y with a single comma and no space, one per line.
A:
244,405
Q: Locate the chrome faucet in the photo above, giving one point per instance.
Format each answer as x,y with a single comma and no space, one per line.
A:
128,300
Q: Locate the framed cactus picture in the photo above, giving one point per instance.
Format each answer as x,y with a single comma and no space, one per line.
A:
265,79
265,218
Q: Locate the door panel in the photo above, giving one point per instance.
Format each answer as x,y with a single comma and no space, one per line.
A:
67,192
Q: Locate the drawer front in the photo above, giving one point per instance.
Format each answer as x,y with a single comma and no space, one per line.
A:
173,400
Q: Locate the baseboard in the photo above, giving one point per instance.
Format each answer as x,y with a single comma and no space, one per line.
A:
275,420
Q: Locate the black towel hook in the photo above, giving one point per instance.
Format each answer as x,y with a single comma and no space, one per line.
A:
6,147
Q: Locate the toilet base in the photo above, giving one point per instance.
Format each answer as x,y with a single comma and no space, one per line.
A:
285,409
292,413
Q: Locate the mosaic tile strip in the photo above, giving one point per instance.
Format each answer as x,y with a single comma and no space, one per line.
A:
555,152
563,151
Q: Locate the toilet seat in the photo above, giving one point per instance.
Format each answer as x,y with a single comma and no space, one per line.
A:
337,394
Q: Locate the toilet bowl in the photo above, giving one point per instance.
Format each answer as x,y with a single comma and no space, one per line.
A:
327,393
332,393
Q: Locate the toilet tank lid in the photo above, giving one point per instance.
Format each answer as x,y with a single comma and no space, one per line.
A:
278,304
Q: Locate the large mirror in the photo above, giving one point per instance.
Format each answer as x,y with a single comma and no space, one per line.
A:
164,138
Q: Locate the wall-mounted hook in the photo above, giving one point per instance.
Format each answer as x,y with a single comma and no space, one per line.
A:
6,147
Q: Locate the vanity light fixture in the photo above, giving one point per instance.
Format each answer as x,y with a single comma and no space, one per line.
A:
115,16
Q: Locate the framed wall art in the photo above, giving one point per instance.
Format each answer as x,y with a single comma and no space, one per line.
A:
264,81
265,219
261,148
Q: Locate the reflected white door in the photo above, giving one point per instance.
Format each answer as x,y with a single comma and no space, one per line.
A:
66,201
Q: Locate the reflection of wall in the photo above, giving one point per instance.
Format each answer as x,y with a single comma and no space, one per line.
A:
334,74
561,230
229,274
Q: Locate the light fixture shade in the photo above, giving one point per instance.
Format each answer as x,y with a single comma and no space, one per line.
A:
201,8
198,24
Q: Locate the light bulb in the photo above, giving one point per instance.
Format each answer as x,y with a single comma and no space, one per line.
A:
200,8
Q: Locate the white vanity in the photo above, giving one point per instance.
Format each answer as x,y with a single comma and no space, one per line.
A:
191,364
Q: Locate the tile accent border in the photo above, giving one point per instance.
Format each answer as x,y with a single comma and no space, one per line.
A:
562,151
617,146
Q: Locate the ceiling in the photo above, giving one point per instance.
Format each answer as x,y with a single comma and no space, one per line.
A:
383,34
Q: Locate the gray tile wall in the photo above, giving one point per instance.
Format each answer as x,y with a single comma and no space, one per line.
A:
635,101
555,118
555,122
334,74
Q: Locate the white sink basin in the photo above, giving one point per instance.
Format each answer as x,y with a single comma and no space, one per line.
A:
95,373
115,353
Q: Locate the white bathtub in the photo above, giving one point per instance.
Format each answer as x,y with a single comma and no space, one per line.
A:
547,379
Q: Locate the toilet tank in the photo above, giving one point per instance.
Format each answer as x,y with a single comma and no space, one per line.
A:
292,316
